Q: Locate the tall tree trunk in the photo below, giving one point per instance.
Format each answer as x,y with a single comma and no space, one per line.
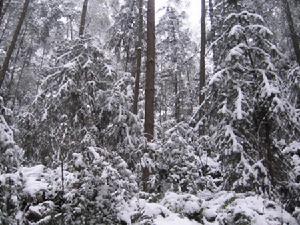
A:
138,58
202,53
293,33
149,89
83,18
150,73
13,43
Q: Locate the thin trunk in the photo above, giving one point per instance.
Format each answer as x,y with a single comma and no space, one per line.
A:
71,30
293,33
150,74
16,58
83,18
1,7
177,99
128,58
12,45
213,32
138,58
150,80
202,54
17,95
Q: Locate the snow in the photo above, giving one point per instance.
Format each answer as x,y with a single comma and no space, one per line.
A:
262,30
245,15
34,181
185,203
238,104
226,206
78,160
174,219
218,76
268,89
236,52
6,134
236,31
236,147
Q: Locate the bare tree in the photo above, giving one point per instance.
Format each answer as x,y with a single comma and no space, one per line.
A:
83,17
13,42
138,58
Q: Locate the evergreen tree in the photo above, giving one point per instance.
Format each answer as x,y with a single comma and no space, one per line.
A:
247,107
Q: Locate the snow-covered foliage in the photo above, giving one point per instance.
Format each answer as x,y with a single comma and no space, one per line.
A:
247,111
92,189
207,209
81,102
11,155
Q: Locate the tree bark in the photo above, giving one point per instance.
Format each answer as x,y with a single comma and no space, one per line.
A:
138,58
202,54
293,33
83,18
150,81
150,73
13,43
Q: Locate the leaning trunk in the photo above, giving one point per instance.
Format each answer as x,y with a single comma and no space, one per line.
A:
13,43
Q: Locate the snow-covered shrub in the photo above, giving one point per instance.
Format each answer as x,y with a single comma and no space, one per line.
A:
186,205
242,209
28,196
93,188
101,187
10,153
178,163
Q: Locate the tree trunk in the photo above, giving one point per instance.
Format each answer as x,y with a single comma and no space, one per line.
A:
293,33
1,7
150,73
212,36
138,58
13,43
177,99
83,18
202,54
149,89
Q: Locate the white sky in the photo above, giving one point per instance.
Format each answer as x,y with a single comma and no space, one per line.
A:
193,10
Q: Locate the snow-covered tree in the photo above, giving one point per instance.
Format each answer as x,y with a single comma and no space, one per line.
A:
247,108
176,66
81,103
